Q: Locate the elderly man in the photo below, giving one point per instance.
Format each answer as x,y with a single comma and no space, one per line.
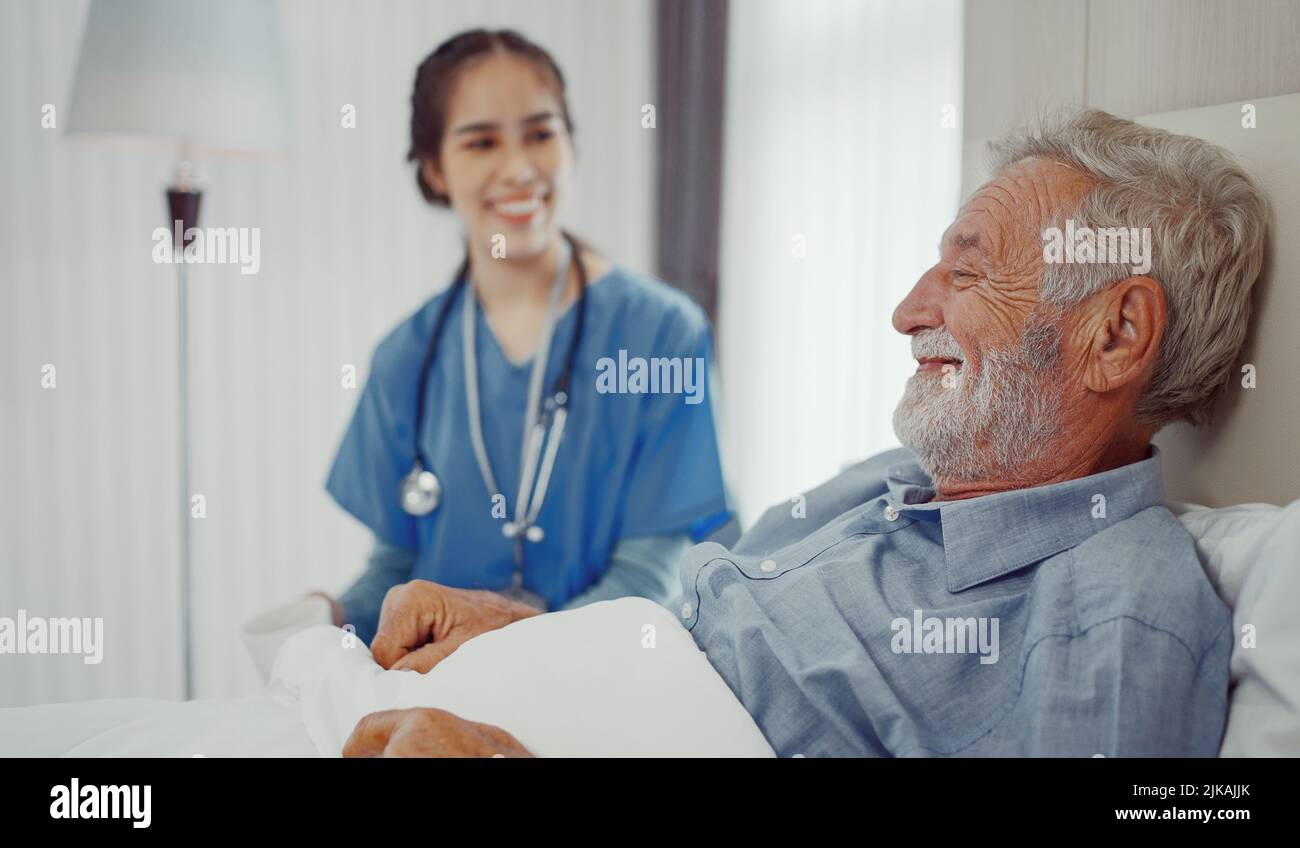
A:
1011,585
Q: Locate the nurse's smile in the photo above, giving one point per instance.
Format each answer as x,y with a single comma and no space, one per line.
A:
518,210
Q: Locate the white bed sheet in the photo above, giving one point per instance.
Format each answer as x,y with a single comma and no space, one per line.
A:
263,726
618,678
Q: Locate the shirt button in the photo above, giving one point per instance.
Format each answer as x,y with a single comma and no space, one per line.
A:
768,565
687,609
891,514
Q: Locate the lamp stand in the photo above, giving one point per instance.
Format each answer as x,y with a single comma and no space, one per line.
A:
183,199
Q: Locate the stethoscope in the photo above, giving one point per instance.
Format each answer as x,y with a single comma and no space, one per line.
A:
420,491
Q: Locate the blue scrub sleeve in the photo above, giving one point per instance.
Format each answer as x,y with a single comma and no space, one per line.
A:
675,481
373,458
364,600
644,567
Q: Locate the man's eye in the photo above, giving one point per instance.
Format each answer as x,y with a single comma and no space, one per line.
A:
481,144
541,135
957,272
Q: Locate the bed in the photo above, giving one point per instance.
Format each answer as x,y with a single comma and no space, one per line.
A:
618,678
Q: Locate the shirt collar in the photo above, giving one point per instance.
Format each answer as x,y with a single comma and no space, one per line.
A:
992,535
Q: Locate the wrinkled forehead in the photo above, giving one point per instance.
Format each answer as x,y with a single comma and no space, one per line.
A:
1006,215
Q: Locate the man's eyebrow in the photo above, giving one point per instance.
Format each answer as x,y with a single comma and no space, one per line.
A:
486,126
963,241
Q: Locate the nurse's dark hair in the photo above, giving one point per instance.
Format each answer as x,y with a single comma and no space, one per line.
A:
437,76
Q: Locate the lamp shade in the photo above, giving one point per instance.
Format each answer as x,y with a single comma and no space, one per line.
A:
207,74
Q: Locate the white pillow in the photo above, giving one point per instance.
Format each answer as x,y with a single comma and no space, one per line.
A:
614,679
1251,553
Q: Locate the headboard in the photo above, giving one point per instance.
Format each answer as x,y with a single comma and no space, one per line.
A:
1251,452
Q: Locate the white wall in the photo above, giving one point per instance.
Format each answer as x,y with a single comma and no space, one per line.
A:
835,133
1129,57
89,496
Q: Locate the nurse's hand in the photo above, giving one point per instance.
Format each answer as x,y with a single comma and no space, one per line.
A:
427,732
421,623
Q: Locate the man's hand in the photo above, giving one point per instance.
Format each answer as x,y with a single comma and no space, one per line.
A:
428,733
421,623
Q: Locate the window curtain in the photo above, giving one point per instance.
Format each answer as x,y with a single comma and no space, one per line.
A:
842,168
691,62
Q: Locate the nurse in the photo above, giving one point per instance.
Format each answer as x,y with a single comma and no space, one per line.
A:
482,453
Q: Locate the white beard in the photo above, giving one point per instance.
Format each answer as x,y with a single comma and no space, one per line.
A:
986,427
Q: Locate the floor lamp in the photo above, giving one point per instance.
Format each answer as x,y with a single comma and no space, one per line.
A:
202,78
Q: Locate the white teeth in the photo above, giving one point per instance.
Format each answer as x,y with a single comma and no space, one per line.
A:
519,207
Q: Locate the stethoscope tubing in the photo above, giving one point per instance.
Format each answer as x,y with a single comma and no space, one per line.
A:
555,412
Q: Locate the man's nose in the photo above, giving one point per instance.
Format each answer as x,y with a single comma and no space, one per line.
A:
923,307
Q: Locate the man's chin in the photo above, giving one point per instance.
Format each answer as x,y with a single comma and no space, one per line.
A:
920,417
940,439
915,432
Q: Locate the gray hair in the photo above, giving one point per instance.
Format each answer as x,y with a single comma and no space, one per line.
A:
1208,224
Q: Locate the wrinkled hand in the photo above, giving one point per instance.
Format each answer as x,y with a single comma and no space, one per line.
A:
427,732
421,623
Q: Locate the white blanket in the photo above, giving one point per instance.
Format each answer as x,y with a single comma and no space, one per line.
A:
618,678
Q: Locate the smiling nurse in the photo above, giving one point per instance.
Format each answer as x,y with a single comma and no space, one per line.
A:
481,454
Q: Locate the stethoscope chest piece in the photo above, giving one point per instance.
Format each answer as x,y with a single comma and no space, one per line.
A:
533,534
421,491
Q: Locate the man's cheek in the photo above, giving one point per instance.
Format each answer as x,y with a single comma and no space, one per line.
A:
991,316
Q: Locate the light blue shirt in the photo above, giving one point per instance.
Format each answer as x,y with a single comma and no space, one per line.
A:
1110,639
630,464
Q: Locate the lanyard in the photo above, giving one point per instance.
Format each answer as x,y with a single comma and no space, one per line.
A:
526,507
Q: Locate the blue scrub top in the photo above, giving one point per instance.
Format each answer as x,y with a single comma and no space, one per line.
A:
629,464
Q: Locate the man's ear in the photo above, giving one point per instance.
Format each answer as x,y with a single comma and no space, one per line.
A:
1128,323
433,177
